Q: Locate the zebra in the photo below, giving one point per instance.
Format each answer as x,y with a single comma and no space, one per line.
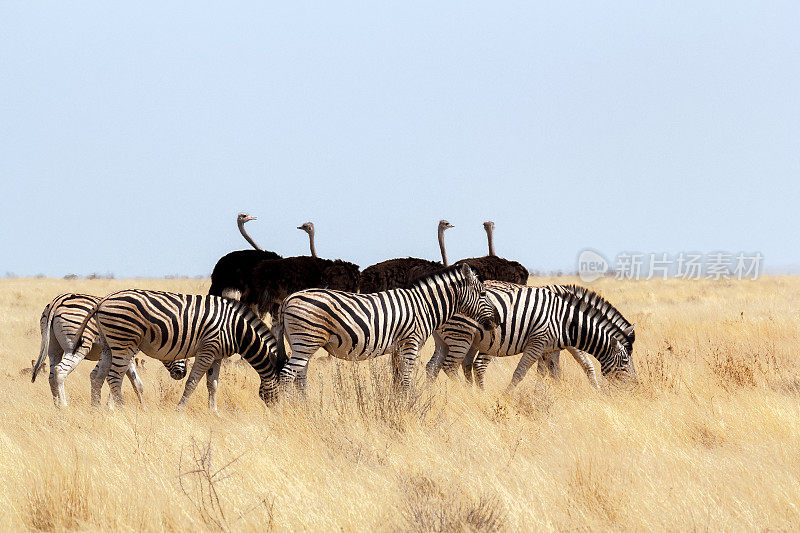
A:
540,321
58,323
167,326
462,328
361,326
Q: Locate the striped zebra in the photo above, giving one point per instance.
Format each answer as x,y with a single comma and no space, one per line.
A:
59,322
538,322
361,326
168,326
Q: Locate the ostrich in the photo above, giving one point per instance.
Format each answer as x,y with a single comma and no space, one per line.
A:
399,273
496,268
233,271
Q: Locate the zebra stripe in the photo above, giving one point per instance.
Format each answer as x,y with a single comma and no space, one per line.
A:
59,322
539,321
361,326
169,326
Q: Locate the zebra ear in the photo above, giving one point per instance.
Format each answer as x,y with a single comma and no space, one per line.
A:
467,272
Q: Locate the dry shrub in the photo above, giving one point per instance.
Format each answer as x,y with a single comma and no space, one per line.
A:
735,369
375,399
538,403
659,371
594,491
706,435
201,482
58,500
430,508
790,387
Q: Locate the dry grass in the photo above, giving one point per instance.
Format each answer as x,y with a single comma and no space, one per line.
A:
708,441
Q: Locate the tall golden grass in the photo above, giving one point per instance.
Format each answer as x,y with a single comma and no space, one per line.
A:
709,440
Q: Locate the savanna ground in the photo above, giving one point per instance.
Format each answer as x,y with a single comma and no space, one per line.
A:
709,440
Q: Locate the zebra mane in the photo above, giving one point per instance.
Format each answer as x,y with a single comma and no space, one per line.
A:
609,314
420,279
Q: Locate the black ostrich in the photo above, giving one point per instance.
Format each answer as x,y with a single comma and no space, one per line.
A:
497,268
400,273
233,271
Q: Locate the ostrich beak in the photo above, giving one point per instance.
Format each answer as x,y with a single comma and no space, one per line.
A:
249,218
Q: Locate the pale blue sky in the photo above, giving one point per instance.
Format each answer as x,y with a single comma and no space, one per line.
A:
131,134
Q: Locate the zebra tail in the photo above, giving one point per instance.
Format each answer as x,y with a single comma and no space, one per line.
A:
280,355
45,347
78,339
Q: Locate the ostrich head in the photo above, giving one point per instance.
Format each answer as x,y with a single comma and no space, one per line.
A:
308,227
443,225
244,217
488,225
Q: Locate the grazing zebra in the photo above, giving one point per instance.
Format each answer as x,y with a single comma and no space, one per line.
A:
59,323
462,329
167,326
361,326
539,321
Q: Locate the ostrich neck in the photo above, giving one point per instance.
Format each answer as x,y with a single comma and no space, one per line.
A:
311,244
490,237
247,237
441,247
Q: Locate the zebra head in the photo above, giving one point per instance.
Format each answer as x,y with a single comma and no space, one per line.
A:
618,364
474,302
177,369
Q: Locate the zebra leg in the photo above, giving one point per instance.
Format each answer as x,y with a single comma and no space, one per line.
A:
408,356
212,382
468,363
59,373
532,354
585,360
203,361
133,376
120,364
481,363
54,353
296,366
549,363
397,368
99,374
436,360
457,350
300,380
